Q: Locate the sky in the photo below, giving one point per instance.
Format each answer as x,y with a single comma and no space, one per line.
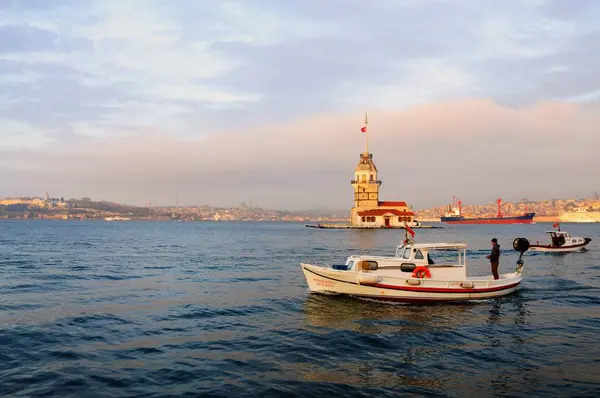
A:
218,102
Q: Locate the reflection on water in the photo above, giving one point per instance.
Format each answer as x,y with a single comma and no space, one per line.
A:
340,312
348,313
410,337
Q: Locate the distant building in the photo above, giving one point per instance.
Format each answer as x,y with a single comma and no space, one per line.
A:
368,210
36,202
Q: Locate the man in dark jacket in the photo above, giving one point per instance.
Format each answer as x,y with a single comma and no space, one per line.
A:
494,257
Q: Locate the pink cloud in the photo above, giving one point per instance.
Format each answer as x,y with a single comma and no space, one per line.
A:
425,155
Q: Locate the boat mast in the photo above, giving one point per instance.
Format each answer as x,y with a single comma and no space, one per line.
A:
499,201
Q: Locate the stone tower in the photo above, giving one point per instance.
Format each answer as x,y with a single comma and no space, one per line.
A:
365,184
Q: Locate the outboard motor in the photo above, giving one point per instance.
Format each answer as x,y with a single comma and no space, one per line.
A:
521,245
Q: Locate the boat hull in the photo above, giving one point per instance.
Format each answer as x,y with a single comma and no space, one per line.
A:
325,280
524,219
560,249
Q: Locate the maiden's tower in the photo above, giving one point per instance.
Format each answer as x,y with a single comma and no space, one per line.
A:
368,210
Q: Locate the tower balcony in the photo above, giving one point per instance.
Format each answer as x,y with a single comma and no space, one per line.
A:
378,182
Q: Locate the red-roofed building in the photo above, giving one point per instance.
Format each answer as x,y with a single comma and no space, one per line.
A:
392,204
368,211
382,212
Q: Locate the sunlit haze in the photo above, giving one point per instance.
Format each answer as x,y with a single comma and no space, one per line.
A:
219,102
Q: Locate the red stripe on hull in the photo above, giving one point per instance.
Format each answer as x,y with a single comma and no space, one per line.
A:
440,290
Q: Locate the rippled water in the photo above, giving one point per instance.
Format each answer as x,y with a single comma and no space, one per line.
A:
151,309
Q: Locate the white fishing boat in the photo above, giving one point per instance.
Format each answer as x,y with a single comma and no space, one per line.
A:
412,276
561,242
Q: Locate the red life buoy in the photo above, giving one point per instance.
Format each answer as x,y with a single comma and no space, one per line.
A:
421,272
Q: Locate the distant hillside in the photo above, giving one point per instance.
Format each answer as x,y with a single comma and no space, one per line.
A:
88,204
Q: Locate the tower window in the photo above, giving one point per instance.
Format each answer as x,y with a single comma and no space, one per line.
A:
371,177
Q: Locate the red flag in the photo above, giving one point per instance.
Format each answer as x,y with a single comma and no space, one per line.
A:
409,230
363,129
555,225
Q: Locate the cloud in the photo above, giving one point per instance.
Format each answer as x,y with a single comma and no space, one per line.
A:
24,39
218,94
476,149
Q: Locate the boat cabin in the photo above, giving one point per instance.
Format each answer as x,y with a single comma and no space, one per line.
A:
420,253
410,256
562,238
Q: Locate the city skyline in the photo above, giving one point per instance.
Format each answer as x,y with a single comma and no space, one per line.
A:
594,199
225,102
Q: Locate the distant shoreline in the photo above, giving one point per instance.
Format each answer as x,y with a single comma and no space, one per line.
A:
540,220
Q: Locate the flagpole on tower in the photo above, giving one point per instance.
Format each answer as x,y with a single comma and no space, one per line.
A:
365,131
366,134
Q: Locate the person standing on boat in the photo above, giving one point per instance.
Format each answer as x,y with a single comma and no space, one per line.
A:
494,257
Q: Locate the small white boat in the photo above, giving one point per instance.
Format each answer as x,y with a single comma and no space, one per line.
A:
116,218
412,276
561,242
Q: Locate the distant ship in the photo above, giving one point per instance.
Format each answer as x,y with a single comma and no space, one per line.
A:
454,216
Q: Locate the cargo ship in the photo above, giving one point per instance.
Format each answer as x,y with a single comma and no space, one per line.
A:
454,216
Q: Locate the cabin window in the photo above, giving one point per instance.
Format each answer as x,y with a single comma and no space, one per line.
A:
363,219
371,177
418,255
409,219
406,253
350,265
